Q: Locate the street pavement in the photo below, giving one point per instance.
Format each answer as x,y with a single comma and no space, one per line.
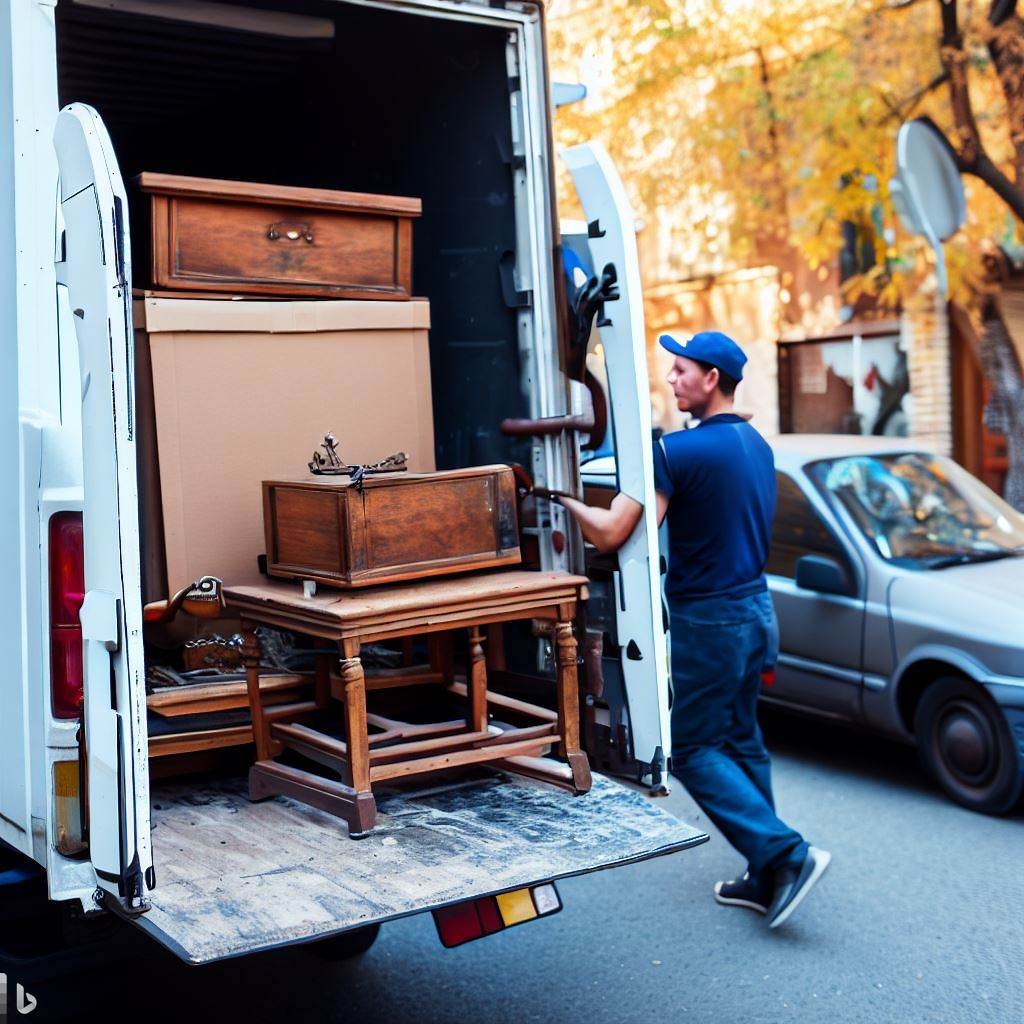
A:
918,919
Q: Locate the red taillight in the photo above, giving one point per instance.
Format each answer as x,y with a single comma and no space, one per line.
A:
458,924
67,591
463,922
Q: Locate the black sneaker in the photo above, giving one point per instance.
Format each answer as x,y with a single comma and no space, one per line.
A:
744,892
792,884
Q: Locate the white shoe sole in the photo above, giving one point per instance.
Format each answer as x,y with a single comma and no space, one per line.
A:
728,901
822,860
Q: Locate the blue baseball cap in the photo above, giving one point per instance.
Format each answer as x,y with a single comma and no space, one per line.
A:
712,347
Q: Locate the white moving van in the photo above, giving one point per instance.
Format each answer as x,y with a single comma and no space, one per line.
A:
447,100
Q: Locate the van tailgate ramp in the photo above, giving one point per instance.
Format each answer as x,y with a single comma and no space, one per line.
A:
234,876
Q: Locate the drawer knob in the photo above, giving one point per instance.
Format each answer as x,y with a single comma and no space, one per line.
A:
293,231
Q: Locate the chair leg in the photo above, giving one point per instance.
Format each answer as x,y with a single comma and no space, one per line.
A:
477,682
569,706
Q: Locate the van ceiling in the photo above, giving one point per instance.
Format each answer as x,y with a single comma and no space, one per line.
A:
396,104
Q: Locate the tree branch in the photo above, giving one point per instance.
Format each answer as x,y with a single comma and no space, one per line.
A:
1000,11
1006,47
954,62
900,110
970,152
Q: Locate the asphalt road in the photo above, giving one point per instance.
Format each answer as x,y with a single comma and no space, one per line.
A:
919,919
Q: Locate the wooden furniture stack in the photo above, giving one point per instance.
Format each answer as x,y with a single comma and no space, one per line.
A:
231,392
398,750
228,392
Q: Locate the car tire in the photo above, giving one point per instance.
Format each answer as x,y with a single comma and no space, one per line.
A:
345,946
966,746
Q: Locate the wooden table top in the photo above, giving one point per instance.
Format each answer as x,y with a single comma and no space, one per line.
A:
402,608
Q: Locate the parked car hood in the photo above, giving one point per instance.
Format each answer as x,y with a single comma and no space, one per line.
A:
977,608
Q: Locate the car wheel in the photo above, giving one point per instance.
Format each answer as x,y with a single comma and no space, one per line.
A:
346,945
965,743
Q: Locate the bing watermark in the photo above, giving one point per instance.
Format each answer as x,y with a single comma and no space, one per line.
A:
24,1002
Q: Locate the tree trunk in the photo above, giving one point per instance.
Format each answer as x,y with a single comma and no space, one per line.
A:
1004,413
971,156
1000,366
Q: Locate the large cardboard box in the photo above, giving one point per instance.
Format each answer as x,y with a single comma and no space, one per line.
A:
232,393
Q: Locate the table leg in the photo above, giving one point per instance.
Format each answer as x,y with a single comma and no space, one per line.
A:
496,647
353,681
569,706
477,681
441,656
322,676
251,661
407,650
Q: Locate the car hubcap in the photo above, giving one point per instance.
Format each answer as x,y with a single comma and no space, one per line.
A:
966,743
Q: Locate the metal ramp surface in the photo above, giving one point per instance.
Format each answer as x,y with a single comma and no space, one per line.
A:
234,877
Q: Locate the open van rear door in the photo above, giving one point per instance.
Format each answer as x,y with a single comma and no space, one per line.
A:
612,243
94,264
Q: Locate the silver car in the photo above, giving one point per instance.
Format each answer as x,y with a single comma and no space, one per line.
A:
898,579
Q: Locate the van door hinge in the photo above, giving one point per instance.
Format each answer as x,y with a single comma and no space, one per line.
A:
101,619
514,161
60,261
108,901
514,298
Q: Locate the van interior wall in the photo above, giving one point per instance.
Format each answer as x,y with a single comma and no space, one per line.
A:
395,103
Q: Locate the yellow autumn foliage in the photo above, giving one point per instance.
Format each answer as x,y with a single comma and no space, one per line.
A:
739,125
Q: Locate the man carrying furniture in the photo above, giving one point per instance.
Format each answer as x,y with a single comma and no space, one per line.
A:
716,484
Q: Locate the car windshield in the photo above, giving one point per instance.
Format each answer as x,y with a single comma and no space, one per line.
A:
922,510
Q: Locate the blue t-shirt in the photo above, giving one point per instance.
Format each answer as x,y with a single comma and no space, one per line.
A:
720,481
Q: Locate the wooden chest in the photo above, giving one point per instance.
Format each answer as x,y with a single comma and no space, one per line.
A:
237,236
398,526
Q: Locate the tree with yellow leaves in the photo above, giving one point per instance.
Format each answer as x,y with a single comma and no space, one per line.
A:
765,132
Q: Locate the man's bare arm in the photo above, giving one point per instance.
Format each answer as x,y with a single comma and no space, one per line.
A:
661,505
606,528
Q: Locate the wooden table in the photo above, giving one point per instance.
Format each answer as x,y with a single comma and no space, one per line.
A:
342,621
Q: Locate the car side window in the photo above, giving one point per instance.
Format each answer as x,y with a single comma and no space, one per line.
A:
799,530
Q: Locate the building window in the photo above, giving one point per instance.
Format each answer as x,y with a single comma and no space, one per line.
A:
853,384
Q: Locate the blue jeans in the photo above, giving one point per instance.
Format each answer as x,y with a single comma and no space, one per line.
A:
720,646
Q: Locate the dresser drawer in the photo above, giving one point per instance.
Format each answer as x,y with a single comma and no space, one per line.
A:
231,236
